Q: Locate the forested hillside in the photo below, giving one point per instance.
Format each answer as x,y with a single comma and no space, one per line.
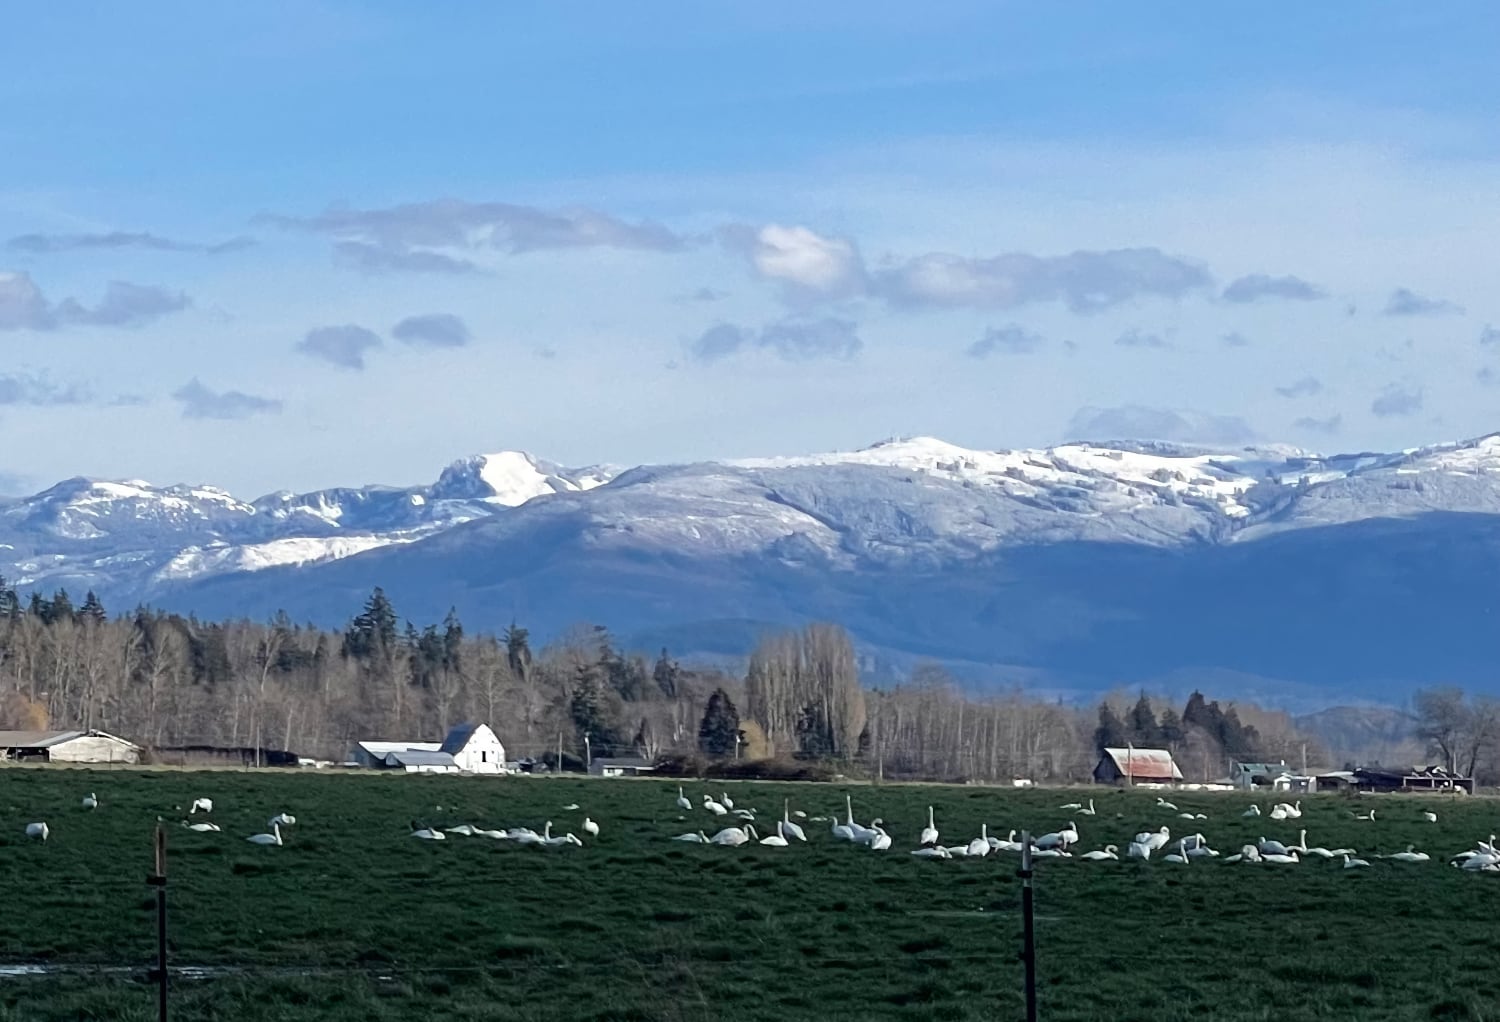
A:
163,679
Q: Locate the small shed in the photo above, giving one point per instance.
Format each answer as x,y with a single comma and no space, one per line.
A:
88,746
1136,766
626,766
1260,775
476,749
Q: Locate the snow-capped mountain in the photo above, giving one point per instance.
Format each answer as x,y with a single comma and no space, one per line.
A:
1083,564
132,538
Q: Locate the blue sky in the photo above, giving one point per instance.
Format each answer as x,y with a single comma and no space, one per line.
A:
305,244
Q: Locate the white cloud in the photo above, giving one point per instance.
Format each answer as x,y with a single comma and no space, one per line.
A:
807,263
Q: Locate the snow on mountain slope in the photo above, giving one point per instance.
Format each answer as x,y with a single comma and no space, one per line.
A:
916,504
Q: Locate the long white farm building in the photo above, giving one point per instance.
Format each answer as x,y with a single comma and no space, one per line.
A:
88,746
468,749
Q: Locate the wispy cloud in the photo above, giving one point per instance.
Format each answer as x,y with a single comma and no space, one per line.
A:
1134,338
29,389
1328,426
1006,340
23,306
1083,281
342,346
1404,302
703,294
1489,337
200,402
1234,339
1305,387
1258,286
47,244
1397,400
367,258
792,339
433,330
409,237
1138,422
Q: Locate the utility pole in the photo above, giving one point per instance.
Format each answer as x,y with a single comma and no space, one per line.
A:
158,880
588,752
1028,926
1304,759
1130,764
559,752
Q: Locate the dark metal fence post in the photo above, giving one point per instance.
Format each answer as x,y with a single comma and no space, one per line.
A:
1028,926
158,880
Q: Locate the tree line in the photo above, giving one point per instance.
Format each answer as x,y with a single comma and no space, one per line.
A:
164,679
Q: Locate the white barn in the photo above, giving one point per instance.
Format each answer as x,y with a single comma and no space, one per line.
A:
476,749
89,746
468,748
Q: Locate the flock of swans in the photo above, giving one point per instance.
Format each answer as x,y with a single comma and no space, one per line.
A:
785,831
41,831
1063,843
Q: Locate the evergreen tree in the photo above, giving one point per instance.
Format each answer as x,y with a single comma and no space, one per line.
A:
518,652
453,642
372,634
1170,727
1142,722
91,611
62,607
1196,713
1111,732
719,732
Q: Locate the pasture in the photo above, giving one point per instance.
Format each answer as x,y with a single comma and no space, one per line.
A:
352,918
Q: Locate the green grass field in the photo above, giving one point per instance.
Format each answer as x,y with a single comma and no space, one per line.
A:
355,919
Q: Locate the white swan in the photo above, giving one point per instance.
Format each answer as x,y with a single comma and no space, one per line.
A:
205,805
90,801
744,814
273,838
560,840
1365,816
929,832
1064,839
285,819
523,835
698,838
1278,812
497,835
1287,859
1180,857
1108,852
1268,847
1430,817
1157,839
727,801
841,832
980,846
1410,855
734,836
427,833
201,828
1162,803
1071,806
682,800
570,807
1254,810
1354,863
786,828
774,841
462,830
37,830
714,807
590,827
1089,811
882,841
938,852
861,834
1138,850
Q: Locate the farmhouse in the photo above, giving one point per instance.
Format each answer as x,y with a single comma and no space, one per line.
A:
1136,766
67,747
468,748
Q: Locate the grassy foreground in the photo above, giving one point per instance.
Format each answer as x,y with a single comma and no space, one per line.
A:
354,919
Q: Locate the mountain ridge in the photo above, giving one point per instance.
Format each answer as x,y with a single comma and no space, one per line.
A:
1076,567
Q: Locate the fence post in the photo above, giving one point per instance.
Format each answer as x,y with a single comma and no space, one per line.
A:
1028,926
158,880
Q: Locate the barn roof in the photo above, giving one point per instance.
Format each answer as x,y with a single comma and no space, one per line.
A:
419,758
47,739
458,737
1144,763
380,749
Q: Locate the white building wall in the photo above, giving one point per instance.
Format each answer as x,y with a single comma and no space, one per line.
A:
482,753
93,749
